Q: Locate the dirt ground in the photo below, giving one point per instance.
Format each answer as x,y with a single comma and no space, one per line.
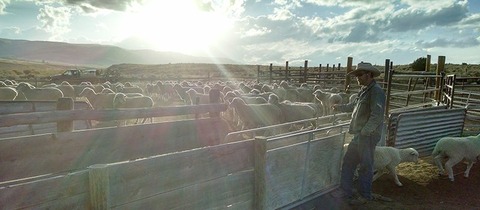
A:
422,189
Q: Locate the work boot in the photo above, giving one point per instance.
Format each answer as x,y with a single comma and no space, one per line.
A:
357,201
379,197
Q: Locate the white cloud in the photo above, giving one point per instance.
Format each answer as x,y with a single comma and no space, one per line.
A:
3,5
10,32
55,20
256,31
281,14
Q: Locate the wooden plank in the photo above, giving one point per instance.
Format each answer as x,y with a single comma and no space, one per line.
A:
99,182
284,175
260,164
59,192
10,107
13,129
234,191
106,115
43,154
160,174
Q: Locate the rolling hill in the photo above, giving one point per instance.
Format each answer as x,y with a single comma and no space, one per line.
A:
92,54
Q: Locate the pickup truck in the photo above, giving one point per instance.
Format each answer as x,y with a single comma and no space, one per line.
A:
76,76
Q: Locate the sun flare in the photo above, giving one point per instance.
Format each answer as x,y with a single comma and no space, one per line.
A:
177,25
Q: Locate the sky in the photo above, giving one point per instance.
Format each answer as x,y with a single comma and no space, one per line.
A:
259,31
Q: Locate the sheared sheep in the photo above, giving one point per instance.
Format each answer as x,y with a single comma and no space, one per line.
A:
294,111
194,95
248,98
328,99
8,94
456,149
388,158
121,100
41,94
256,115
65,87
98,100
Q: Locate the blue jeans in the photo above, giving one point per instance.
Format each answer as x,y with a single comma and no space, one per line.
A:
360,151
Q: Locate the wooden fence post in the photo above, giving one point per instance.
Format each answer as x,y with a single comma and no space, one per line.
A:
347,77
427,63
65,104
214,96
286,71
305,71
386,71
260,155
258,73
440,69
270,75
99,186
389,142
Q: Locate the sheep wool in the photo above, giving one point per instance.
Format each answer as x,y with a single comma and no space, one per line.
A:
388,158
456,149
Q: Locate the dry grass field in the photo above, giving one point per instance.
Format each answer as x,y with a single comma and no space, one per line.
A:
20,69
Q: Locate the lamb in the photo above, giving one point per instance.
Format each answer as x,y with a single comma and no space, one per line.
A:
456,149
388,158
41,94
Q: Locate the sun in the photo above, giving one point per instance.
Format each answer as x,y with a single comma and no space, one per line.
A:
177,25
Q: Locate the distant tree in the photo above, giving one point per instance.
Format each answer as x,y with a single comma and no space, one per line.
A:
419,64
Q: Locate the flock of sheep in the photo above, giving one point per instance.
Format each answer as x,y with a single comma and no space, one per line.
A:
250,105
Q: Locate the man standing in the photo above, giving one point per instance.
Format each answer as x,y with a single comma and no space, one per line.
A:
366,127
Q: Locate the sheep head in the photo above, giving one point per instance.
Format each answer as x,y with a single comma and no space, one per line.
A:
119,99
412,155
273,99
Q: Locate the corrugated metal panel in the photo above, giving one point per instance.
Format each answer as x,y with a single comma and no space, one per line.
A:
421,130
393,119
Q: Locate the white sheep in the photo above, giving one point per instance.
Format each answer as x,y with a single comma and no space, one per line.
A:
8,94
65,87
294,111
256,115
388,158
456,149
328,99
40,94
121,100
194,95
98,100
